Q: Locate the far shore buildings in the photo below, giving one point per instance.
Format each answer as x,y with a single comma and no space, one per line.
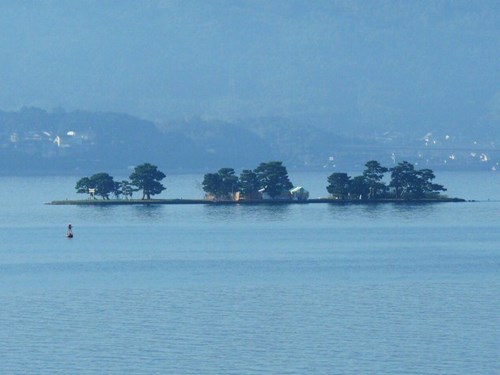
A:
45,143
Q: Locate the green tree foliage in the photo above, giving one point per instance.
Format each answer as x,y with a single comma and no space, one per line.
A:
359,188
402,178
103,184
117,191
222,184
249,183
229,180
83,185
373,175
427,186
273,178
212,184
147,177
127,189
338,185
408,182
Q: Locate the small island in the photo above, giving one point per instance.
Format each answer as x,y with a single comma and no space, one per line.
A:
268,184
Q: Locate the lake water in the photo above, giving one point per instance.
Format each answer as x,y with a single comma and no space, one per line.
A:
299,289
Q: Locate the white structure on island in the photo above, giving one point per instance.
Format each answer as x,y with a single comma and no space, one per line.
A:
299,194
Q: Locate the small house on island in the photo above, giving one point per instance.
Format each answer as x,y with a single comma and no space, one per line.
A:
285,195
296,194
299,194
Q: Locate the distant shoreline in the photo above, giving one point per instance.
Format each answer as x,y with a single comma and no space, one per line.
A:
110,202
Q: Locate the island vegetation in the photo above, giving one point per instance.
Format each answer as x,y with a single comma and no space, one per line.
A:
146,177
269,182
406,183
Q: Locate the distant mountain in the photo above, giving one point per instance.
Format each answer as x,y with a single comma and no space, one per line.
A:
34,141
352,67
245,144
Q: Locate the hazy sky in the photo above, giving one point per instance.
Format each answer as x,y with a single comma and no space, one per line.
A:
368,64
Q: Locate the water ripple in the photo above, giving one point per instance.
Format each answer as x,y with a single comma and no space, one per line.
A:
350,329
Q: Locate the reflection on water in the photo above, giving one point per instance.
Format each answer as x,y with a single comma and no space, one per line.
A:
382,212
269,329
356,212
310,214
373,211
272,212
89,214
148,212
412,211
111,214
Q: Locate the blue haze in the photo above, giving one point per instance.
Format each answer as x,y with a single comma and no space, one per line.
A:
393,289
344,65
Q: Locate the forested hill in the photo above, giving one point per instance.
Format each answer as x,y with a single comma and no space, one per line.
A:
34,141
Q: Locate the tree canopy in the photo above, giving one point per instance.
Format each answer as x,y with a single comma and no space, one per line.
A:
83,185
338,185
147,177
273,178
406,183
221,184
103,184
126,189
249,183
359,188
373,175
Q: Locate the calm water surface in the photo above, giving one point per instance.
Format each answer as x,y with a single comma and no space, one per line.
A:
305,289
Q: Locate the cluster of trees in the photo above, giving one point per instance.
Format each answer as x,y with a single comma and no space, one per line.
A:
271,178
146,177
406,182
